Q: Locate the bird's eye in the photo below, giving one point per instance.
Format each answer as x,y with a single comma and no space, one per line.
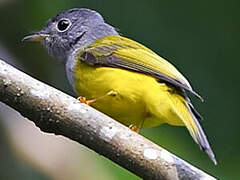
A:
63,25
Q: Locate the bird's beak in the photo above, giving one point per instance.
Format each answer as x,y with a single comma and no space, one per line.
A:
36,37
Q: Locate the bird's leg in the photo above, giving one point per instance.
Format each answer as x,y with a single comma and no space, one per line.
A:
90,101
84,100
136,128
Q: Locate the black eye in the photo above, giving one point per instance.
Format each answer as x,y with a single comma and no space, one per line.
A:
63,25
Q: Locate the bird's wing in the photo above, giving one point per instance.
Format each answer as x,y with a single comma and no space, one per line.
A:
121,52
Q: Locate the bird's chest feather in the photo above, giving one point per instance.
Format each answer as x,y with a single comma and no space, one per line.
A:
94,82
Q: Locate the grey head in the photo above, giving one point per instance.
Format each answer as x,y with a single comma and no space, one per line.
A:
70,30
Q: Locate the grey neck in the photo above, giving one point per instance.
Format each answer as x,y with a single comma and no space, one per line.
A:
89,37
95,33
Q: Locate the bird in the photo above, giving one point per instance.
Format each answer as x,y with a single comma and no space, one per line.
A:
119,76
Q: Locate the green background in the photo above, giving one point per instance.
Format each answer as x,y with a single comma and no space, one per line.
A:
201,38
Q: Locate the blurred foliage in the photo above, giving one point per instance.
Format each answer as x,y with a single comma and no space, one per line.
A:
200,37
12,167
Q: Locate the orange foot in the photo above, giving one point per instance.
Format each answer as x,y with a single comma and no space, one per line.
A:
134,128
85,101
89,102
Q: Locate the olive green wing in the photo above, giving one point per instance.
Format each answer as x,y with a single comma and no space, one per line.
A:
121,52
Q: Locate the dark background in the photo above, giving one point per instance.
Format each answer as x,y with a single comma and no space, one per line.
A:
201,38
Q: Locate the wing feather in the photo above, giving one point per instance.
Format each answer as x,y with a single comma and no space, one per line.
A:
118,51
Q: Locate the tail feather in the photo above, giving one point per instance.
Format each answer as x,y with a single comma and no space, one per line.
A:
189,115
200,138
194,111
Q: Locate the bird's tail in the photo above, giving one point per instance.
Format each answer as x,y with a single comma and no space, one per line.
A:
190,118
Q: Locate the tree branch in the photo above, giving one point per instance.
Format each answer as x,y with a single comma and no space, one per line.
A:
56,112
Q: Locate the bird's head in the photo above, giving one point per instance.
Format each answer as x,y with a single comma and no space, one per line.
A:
70,30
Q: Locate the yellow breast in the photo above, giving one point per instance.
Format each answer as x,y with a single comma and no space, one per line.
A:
137,94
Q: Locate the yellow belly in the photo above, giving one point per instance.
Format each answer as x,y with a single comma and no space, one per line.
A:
139,97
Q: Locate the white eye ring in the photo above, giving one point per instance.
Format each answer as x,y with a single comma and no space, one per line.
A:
63,25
